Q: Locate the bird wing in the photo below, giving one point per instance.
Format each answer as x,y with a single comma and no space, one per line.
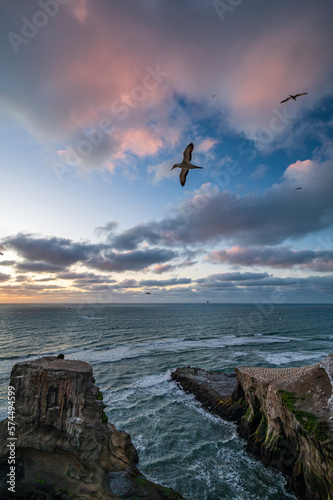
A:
183,174
187,155
304,93
285,100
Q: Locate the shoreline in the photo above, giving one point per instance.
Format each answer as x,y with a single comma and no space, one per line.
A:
285,414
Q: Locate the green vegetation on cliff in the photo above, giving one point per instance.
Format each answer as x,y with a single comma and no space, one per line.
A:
317,428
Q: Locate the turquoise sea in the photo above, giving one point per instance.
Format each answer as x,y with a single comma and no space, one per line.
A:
134,348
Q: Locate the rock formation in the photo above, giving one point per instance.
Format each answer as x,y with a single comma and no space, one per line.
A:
285,414
64,446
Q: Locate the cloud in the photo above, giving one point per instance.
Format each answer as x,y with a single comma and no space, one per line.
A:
53,254
38,267
135,260
86,83
259,172
4,277
55,251
226,280
206,145
163,283
7,262
280,258
268,218
163,268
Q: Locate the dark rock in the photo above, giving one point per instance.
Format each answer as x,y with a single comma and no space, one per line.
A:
65,448
285,415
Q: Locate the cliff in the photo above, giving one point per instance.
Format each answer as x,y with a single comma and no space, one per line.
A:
58,442
286,415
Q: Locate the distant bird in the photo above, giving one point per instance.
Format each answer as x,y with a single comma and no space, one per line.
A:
186,163
112,328
207,301
1,253
280,319
148,293
213,95
298,188
293,97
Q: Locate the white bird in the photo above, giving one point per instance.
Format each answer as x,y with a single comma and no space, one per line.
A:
293,97
186,164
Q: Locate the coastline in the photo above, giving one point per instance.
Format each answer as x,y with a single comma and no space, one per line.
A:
284,414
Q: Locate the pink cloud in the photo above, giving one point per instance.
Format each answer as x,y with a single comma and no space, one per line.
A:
206,145
89,71
141,142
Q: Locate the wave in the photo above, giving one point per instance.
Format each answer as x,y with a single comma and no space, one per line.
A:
114,354
284,358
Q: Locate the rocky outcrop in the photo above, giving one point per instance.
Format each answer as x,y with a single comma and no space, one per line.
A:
62,443
285,415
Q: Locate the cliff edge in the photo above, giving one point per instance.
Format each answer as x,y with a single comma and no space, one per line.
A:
285,414
57,443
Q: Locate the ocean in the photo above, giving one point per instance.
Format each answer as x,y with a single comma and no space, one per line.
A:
134,348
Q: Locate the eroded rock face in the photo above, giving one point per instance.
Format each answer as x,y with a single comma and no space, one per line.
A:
285,415
65,447
289,423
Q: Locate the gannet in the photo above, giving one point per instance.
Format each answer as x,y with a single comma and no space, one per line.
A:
293,97
186,164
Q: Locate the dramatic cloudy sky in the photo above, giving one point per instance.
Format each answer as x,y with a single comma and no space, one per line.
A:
99,98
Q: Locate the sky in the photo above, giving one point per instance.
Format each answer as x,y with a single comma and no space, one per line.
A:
99,98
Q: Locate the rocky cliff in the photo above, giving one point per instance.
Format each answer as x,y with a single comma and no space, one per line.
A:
286,415
61,442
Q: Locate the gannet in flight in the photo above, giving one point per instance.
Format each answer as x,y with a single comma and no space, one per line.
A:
297,188
186,164
293,97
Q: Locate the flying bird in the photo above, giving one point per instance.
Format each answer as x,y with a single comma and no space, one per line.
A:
293,97
298,188
186,164
148,293
1,253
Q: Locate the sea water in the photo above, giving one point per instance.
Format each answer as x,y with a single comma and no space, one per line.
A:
134,348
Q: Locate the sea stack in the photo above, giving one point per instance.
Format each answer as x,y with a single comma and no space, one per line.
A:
286,415
63,445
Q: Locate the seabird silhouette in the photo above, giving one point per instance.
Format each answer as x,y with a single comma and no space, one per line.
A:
186,164
1,253
293,97
298,188
148,293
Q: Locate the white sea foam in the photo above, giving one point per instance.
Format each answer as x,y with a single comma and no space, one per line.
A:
128,351
283,358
